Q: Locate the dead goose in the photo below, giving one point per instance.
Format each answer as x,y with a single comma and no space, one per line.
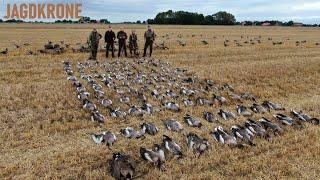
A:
173,125
156,157
149,128
269,125
243,133
203,101
209,117
219,99
188,102
223,137
172,146
248,96
129,132
105,137
89,105
97,116
134,111
255,128
117,113
300,115
258,108
272,106
191,121
198,144
284,119
172,106
242,110
225,115
83,95
106,102
121,167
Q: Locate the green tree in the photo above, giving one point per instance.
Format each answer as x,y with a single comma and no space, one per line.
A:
224,18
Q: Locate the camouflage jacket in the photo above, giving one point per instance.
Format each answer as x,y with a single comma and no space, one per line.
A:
94,38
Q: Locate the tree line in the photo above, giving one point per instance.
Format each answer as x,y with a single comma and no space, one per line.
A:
190,18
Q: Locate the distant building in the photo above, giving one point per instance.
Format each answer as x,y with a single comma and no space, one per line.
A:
265,24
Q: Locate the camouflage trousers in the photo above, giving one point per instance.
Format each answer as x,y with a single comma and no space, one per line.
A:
93,52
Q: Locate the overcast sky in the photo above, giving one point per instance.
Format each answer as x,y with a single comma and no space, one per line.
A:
307,11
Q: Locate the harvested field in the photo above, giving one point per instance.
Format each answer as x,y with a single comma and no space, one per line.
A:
45,131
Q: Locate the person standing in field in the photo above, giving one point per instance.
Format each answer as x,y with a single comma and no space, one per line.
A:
94,39
133,43
122,37
149,37
109,38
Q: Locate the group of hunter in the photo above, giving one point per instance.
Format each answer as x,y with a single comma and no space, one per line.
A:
122,37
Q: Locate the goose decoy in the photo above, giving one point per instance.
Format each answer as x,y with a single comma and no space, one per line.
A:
226,115
121,167
129,132
284,119
105,137
243,133
255,128
172,146
191,121
219,99
242,110
173,125
148,108
256,108
208,116
272,106
89,105
223,137
198,144
97,116
172,106
83,96
106,102
150,128
269,125
156,157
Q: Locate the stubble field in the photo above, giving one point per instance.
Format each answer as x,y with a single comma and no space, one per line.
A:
45,133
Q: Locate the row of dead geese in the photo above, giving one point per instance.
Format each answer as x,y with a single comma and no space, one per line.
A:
239,136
